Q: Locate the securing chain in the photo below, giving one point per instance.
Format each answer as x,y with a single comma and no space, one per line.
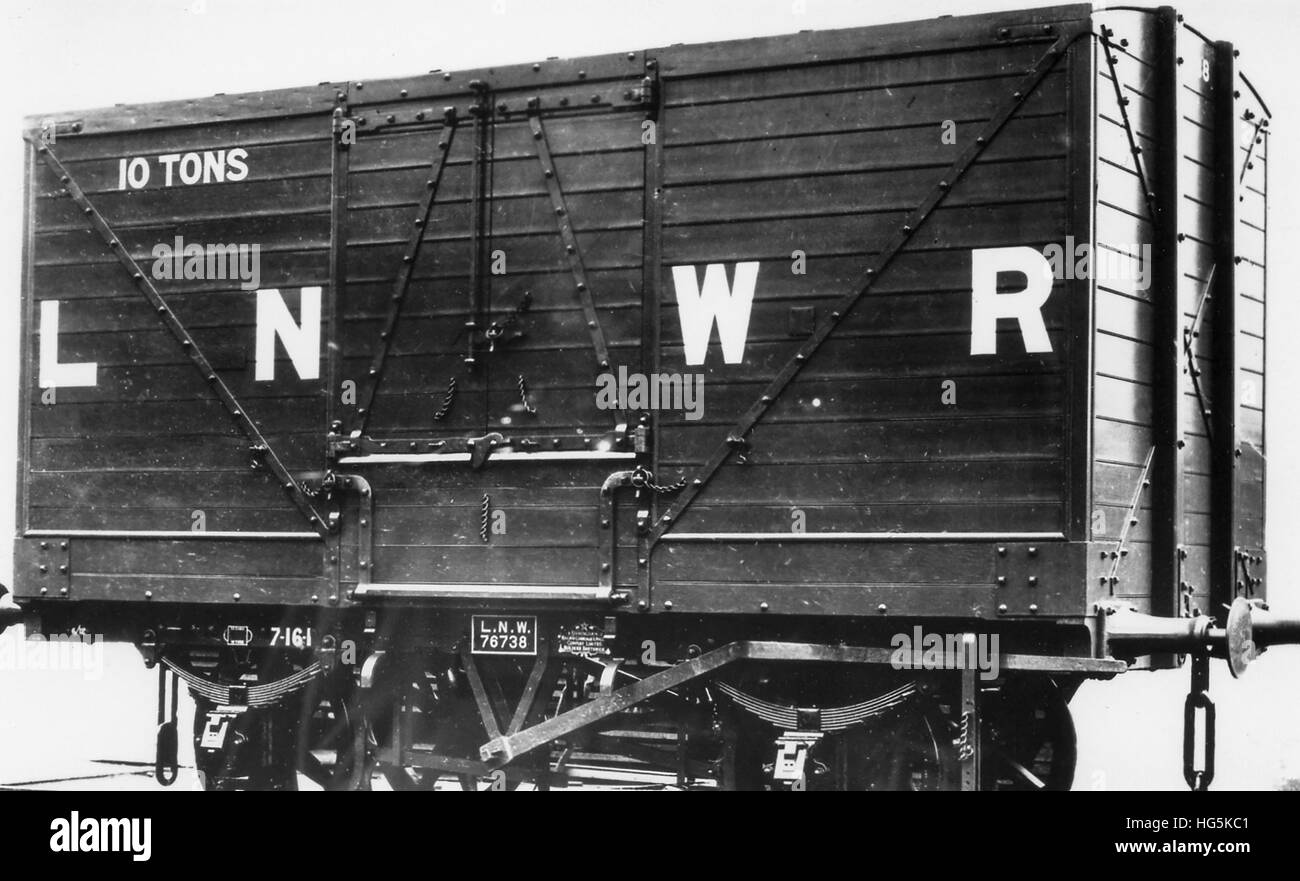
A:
448,398
965,749
643,478
484,517
529,408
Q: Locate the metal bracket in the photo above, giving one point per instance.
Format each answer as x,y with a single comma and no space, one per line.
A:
187,342
892,247
606,533
365,524
792,749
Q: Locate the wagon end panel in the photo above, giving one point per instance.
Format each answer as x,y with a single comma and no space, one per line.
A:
856,230
178,273
1182,141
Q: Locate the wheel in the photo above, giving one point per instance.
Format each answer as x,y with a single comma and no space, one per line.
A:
1029,738
338,748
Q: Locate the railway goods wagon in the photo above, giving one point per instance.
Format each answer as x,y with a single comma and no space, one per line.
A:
807,412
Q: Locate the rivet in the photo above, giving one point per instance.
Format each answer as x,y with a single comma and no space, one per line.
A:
882,608
1033,552
668,604
1033,607
237,597
1002,580
1002,609
762,607
1002,551
148,594
641,604
63,591
1033,580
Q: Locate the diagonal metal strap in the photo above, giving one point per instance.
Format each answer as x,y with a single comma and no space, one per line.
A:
570,241
1190,334
736,437
265,454
1148,194
403,281
1130,518
1250,151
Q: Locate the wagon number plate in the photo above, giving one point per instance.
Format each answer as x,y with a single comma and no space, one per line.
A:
504,634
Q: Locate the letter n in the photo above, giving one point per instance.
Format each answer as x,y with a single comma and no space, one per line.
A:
301,341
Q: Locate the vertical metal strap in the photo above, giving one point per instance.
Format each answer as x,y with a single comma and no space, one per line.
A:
571,249
968,739
340,161
1223,384
893,246
478,217
365,400
265,455
1168,466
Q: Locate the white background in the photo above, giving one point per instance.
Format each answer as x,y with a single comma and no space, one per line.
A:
60,55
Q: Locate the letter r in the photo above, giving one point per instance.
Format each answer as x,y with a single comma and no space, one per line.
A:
1025,306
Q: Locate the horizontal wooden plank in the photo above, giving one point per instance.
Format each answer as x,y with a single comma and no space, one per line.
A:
1023,137
771,118
197,557
853,193
1029,223
952,516
872,482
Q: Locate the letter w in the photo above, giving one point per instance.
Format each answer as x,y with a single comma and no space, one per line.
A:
730,308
